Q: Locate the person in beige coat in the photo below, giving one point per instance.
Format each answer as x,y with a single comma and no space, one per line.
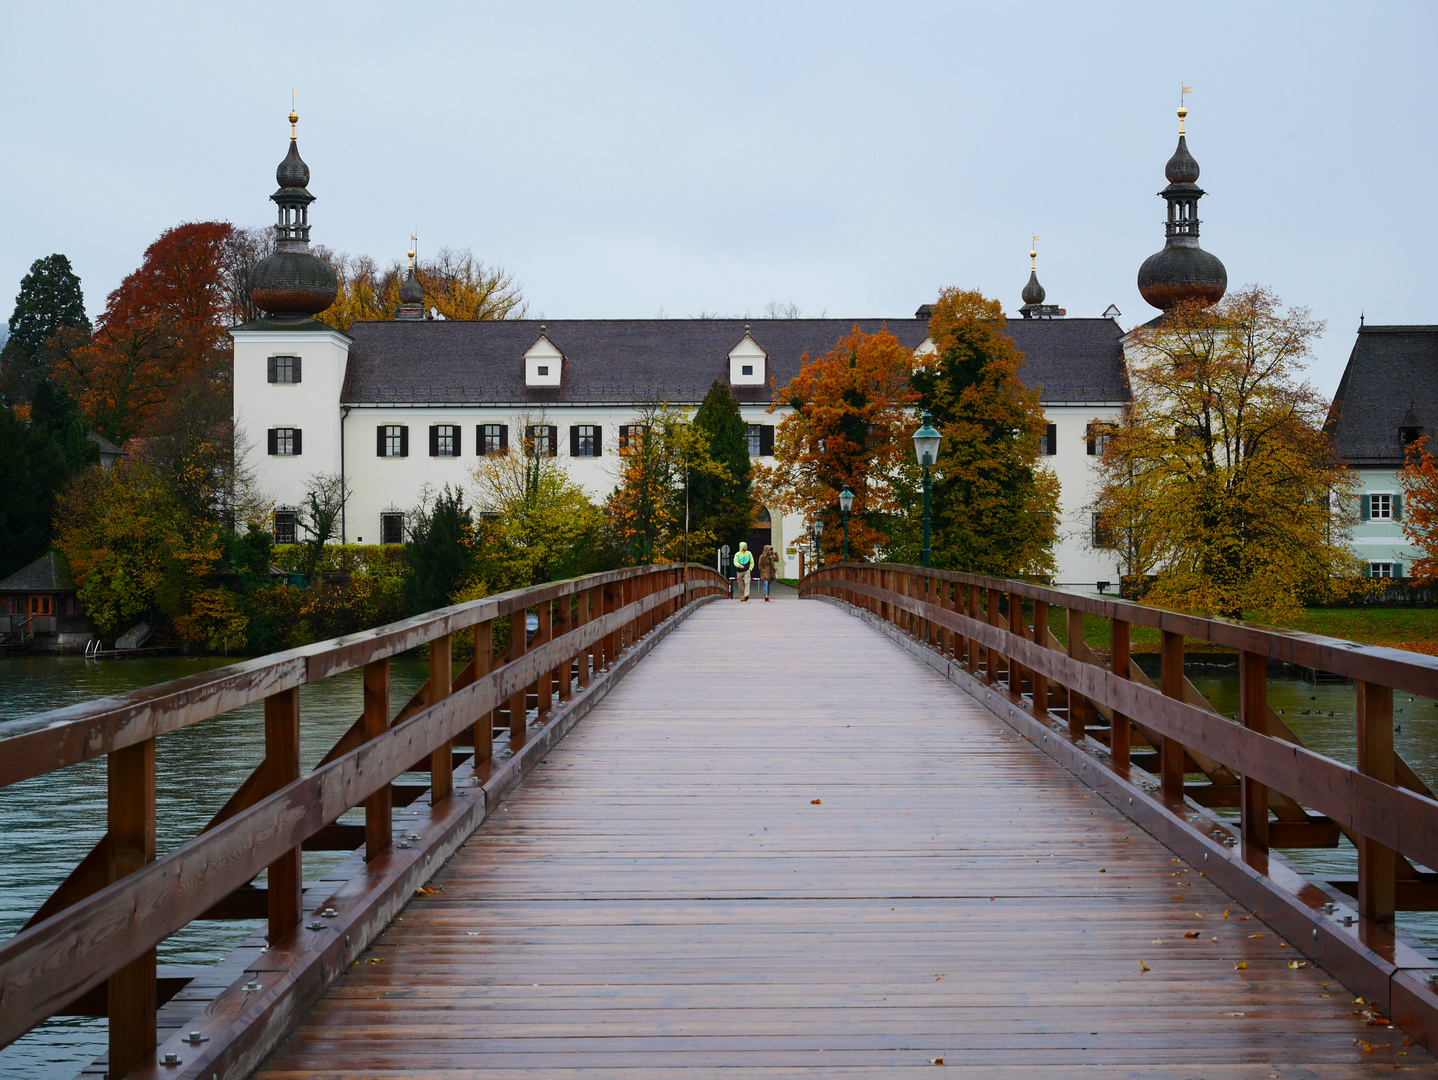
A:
768,569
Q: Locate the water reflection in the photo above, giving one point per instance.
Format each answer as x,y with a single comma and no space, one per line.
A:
49,823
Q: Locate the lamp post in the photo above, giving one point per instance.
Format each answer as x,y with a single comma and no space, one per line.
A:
818,551
926,448
846,503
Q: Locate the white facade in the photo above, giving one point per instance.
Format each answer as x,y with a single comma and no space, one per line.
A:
344,439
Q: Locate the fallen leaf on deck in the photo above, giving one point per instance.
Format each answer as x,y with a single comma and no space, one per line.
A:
1294,965
1191,933
1242,965
1325,995
1368,1048
374,960
815,802
474,933
1178,896
1225,913
1142,966
1235,1014
935,1061
1255,935
1244,918
1102,871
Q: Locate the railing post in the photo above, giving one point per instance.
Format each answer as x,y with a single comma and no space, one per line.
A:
996,619
564,625
379,807
585,613
544,684
1253,714
484,726
1170,750
1016,628
975,650
1120,732
1377,890
1040,682
132,994
441,679
1078,704
282,766
519,700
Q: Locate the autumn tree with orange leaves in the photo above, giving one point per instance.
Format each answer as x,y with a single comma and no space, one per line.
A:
162,327
850,426
995,505
1419,480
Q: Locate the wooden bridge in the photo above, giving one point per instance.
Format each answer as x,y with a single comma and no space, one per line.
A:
829,834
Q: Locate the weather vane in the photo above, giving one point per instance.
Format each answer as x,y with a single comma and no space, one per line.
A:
413,243
1034,254
1183,91
294,113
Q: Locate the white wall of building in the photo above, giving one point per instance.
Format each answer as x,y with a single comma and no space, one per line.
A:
312,405
383,484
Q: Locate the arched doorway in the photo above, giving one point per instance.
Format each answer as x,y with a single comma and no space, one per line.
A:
761,532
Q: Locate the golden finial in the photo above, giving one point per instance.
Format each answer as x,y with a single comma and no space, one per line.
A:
1182,108
1034,255
294,116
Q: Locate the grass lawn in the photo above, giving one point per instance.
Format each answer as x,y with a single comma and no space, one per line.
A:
1414,629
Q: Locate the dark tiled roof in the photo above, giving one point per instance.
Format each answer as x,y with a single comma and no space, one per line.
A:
105,445
48,573
1391,370
626,360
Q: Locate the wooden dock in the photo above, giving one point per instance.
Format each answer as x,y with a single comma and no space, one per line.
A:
783,846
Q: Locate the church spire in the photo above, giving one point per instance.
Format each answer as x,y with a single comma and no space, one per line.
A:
292,282
1033,294
1182,271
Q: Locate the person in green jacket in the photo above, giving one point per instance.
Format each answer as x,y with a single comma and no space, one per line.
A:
743,565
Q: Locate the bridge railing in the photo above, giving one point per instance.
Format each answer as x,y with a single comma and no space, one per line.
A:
94,940
1288,796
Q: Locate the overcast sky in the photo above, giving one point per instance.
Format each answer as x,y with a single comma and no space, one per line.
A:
627,160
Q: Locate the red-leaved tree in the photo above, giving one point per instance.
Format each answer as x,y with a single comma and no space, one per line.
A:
164,325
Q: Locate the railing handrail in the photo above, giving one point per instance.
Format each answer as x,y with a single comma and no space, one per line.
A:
1414,673
34,745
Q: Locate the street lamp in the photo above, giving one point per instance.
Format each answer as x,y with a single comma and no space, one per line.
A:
818,551
846,503
926,448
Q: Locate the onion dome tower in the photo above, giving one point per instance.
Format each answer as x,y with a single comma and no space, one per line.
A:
292,283
411,294
1033,294
1182,271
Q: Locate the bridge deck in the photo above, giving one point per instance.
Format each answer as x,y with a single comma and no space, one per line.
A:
664,892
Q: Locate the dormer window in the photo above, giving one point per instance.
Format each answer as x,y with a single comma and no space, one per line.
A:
543,362
747,362
1409,435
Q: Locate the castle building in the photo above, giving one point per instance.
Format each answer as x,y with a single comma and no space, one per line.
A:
1386,400
407,404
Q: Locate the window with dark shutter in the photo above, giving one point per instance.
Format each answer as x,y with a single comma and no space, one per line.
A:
766,440
752,439
444,440
1051,440
584,440
393,441
492,438
282,369
573,440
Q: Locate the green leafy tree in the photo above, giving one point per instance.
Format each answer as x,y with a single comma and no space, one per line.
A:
536,524
34,469
54,411
50,302
439,552
721,500
994,504
319,516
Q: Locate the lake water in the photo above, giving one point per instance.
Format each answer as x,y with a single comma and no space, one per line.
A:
49,823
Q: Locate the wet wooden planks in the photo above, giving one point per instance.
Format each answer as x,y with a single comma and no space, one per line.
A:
664,894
